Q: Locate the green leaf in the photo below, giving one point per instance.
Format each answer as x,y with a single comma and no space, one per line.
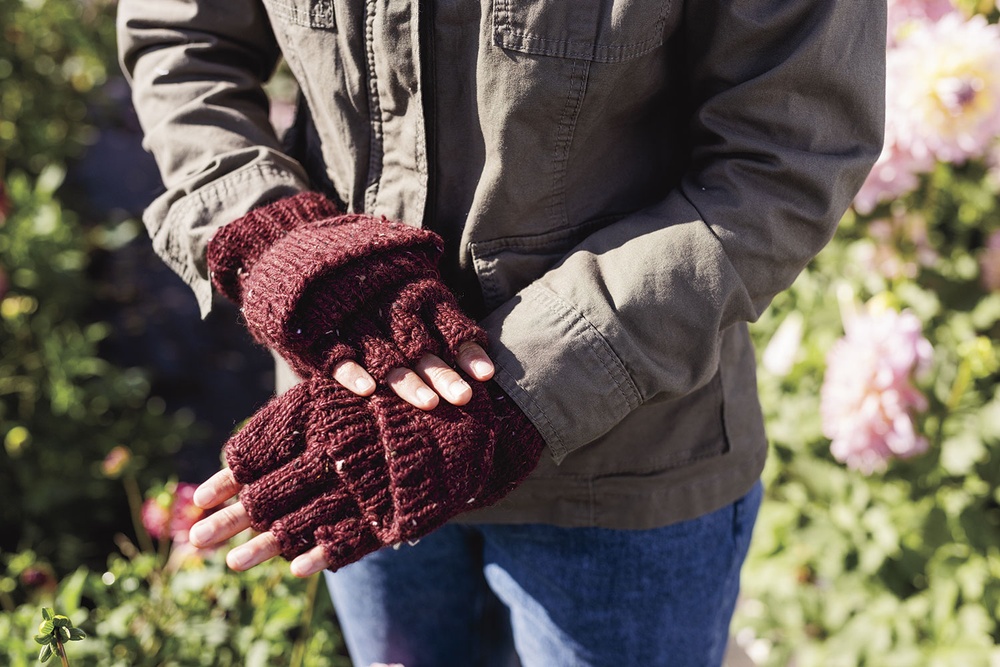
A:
43,639
46,627
45,653
76,634
61,621
47,613
64,634
71,591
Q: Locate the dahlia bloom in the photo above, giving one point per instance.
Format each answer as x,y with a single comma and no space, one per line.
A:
868,401
904,14
942,97
944,88
171,515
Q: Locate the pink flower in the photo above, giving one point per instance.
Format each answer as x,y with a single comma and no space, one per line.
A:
867,402
116,460
943,89
903,14
942,96
989,263
172,514
896,172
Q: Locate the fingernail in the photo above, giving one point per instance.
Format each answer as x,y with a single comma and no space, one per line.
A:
200,534
482,367
363,384
425,395
202,497
458,388
238,559
307,565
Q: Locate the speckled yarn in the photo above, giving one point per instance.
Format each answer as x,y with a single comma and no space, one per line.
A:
322,466
321,290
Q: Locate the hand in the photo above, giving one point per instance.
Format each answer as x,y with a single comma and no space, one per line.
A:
330,476
431,374
429,379
220,527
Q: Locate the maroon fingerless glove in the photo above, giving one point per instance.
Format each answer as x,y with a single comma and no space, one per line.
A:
320,287
322,466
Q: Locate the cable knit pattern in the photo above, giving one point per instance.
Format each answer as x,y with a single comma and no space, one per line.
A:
329,289
351,474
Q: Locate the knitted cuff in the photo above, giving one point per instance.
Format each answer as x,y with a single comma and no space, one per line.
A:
237,246
518,448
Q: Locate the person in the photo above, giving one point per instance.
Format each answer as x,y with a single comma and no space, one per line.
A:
578,208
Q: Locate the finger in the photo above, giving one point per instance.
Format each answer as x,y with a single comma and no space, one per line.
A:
309,563
350,374
259,549
214,530
409,387
472,359
443,379
216,490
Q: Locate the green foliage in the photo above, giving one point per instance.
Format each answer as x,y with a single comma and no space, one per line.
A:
900,568
62,407
189,610
53,56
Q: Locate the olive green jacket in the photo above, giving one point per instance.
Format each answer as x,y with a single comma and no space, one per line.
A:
622,185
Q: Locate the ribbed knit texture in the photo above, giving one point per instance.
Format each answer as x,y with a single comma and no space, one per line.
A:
347,287
319,464
325,467
236,247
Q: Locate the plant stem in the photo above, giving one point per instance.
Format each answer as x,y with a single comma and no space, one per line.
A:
135,509
299,650
61,652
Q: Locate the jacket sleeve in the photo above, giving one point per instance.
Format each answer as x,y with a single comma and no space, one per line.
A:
196,70
788,104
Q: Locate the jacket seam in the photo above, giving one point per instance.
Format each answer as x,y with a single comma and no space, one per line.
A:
374,111
552,238
564,138
583,50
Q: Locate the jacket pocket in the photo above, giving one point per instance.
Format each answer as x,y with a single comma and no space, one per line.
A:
505,266
307,13
604,31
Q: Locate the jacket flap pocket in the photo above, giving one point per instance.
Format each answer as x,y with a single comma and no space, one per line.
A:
308,13
599,30
505,266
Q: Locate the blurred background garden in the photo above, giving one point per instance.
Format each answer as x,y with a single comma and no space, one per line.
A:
878,543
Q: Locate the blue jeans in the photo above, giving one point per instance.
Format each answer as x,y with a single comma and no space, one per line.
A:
537,595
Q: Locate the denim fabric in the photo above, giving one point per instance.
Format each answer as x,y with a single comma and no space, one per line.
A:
475,595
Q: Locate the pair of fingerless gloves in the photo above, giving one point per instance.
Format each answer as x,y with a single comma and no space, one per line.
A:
319,464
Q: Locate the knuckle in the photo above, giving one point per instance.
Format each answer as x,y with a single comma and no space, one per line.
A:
399,377
345,371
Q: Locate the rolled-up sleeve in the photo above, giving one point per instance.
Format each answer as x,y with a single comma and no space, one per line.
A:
197,70
788,104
